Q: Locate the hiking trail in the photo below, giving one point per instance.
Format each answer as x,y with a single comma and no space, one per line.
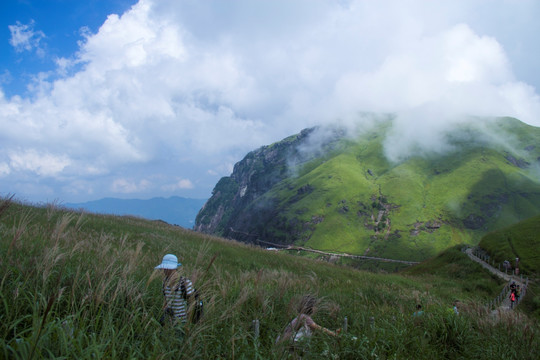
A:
505,304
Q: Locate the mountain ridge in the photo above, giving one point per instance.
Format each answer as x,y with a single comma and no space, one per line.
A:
347,196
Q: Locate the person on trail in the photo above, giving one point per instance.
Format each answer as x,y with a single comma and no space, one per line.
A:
513,286
302,327
177,291
419,311
512,299
506,265
455,308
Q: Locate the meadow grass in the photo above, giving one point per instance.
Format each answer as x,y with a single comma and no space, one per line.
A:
76,285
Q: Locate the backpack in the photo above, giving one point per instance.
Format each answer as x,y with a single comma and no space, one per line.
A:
197,307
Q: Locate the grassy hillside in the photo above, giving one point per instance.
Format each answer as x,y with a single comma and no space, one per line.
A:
83,286
521,240
351,199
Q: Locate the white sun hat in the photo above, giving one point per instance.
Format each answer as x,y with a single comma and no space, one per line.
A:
170,261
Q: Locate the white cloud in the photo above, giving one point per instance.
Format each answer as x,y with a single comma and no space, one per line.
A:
43,164
4,169
182,184
25,38
185,83
80,187
128,186
459,74
455,67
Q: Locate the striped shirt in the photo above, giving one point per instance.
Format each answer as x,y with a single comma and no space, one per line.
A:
174,298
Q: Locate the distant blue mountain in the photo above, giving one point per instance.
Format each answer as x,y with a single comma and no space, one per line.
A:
174,210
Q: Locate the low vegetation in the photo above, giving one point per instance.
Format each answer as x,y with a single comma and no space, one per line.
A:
83,286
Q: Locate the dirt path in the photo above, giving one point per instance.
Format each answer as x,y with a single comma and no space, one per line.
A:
299,248
351,256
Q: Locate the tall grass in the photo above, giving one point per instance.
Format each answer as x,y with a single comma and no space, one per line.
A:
83,286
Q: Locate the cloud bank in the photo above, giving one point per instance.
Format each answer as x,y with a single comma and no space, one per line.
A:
168,96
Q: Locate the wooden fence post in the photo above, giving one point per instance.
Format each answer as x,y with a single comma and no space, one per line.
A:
345,324
256,328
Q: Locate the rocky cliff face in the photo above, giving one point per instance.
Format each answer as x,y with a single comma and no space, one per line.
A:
238,207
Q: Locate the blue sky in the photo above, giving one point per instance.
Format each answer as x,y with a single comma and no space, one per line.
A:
136,99
56,25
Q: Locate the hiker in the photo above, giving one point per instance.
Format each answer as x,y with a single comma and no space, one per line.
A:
513,286
177,291
512,299
419,311
302,327
455,308
506,265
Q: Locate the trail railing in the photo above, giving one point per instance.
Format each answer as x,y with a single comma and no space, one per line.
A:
504,295
506,268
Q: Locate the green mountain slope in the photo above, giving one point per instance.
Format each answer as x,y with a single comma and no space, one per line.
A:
348,197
